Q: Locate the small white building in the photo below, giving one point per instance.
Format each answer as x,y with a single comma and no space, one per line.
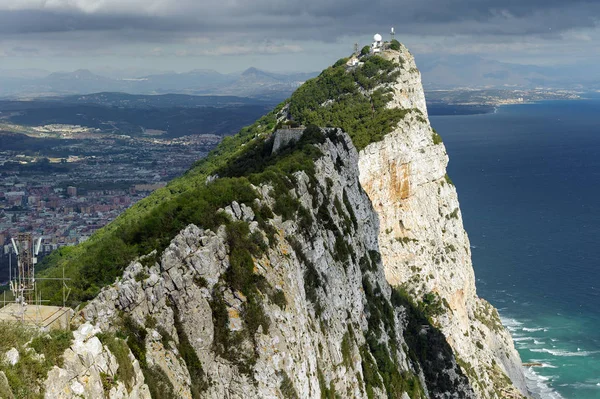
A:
377,45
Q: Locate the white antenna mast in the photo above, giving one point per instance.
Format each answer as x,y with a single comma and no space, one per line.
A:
15,246
37,247
392,33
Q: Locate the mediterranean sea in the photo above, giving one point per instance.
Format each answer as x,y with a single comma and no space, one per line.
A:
528,180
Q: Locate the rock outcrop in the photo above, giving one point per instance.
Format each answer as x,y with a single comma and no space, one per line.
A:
91,370
331,323
423,244
344,274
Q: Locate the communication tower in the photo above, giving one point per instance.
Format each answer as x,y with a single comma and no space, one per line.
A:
392,34
27,304
23,287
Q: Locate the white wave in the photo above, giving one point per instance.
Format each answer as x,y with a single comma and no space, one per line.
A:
518,339
585,385
535,341
564,353
534,329
511,324
538,387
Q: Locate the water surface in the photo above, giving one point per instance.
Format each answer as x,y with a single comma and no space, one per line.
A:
528,179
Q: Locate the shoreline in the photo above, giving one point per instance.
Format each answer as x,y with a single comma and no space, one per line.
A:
539,386
486,109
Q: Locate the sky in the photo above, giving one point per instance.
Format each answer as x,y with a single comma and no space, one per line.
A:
286,35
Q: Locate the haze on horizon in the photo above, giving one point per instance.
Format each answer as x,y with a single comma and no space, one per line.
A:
284,35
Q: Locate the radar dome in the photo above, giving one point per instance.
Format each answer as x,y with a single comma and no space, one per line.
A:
377,37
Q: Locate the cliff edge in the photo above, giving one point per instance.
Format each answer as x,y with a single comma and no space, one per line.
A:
328,261
423,244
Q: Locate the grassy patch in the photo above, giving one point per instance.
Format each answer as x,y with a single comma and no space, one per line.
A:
287,386
27,375
120,350
187,352
448,179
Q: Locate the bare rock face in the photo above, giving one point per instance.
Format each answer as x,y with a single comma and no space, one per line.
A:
90,370
12,356
364,290
423,244
330,323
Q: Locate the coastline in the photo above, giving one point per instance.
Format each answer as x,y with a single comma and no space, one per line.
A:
559,345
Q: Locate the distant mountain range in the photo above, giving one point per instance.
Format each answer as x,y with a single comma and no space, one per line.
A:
250,83
469,71
438,72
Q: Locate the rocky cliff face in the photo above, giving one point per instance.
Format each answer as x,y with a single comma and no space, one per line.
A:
343,274
330,324
423,244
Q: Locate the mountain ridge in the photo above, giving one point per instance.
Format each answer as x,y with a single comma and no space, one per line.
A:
252,82
288,273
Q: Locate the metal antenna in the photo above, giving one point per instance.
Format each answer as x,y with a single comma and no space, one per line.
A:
392,33
355,48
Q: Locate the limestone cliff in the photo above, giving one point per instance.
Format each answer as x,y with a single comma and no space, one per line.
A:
423,244
329,325
289,264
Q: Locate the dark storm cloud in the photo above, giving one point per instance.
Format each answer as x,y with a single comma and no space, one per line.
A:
293,19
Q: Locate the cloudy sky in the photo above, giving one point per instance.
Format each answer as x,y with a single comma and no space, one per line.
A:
286,35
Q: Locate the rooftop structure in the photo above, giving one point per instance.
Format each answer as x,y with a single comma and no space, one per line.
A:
377,45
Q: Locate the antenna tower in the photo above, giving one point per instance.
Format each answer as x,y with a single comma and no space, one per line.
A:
355,48
393,34
23,287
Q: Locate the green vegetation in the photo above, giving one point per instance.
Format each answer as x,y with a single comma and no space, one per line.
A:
25,377
384,372
159,384
395,45
453,214
192,362
437,139
349,100
239,161
97,263
365,50
135,335
489,317
327,392
152,222
287,386
347,347
427,345
120,350
448,179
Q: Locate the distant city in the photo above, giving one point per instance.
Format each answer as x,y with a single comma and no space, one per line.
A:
65,199
69,165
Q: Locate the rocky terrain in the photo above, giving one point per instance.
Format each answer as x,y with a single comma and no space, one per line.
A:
326,271
423,243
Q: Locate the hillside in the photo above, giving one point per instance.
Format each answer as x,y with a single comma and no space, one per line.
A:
323,261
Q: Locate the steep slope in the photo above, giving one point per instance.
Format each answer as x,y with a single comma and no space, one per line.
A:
287,298
262,273
424,247
423,244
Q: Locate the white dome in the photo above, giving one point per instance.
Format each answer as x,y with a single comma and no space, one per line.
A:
377,37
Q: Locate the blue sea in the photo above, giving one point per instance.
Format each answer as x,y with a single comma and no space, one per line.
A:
528,180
